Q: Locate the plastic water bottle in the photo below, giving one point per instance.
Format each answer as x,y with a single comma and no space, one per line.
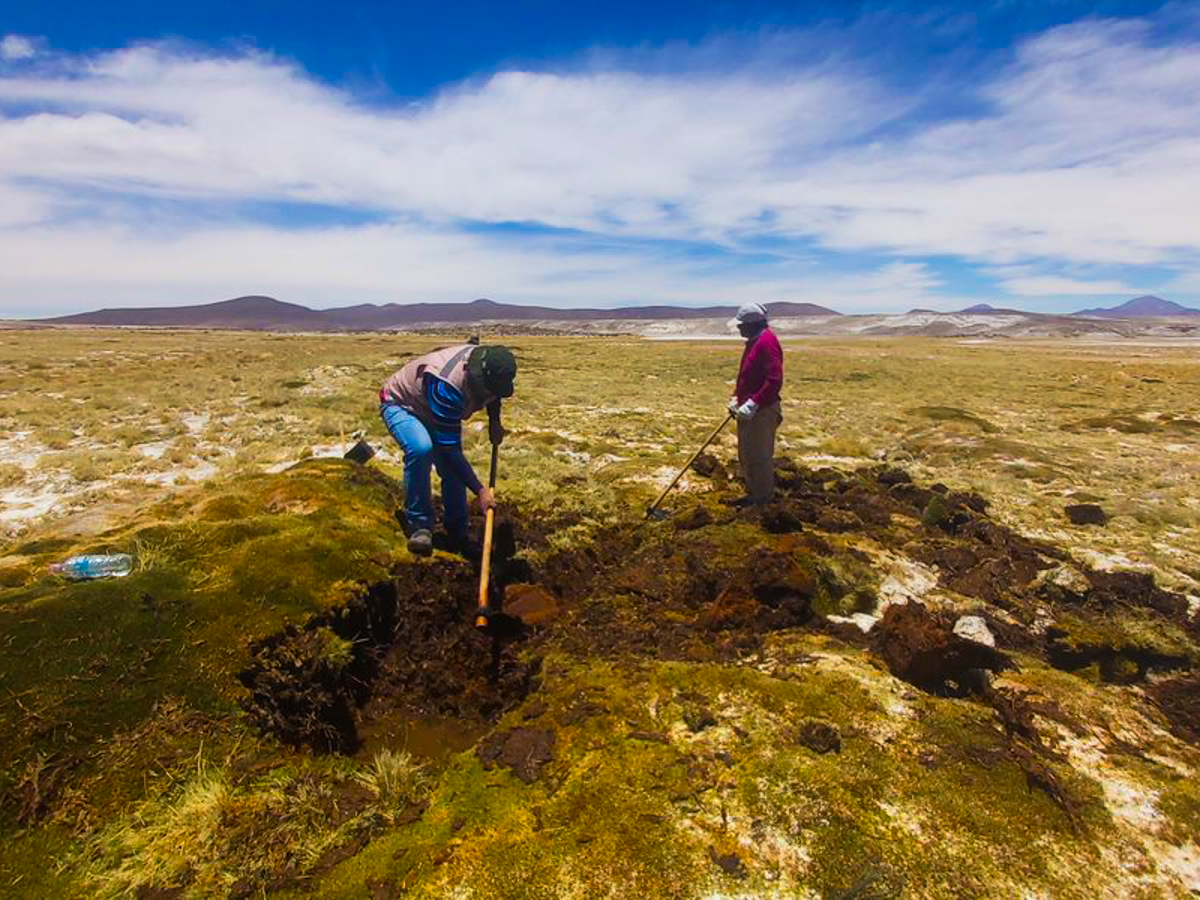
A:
97,565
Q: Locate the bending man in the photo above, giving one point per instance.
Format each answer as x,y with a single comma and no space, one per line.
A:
423,406
756,404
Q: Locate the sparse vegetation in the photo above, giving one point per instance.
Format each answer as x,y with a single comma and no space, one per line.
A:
11,474
656,720
396,779
56,438
211,835
1029,424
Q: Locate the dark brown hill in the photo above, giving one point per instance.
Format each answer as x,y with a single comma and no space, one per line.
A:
269,314
1147,306
252,312
393,315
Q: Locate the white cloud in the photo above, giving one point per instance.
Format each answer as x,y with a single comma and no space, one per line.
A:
16,46
1050,285
22,206
1090,152
600,151
89,267
1085,150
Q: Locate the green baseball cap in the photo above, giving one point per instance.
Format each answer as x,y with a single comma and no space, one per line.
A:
493,369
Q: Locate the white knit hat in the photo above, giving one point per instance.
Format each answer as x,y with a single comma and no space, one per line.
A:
749,314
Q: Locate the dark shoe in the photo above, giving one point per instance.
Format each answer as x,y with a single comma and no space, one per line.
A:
420,542
739,503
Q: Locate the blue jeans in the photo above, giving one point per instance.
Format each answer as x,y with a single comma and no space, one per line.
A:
420,456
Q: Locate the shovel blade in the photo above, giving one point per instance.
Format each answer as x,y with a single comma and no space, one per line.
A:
499,624
531,603
360,453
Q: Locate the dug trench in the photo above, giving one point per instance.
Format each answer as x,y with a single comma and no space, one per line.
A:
406,644
711,584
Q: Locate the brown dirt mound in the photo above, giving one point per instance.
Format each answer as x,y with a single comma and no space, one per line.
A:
1135,589
922,649
1120,664
696,517
820,736
709,466
1086,514
769,592
781,518
524,750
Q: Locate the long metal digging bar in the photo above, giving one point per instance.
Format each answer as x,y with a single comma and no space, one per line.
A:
663,496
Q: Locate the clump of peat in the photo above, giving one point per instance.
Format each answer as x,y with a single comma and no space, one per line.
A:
921,648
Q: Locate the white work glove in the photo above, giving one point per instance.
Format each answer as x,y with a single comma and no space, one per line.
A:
732,406
746,411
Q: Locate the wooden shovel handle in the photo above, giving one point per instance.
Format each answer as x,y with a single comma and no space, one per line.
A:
485,569
485,562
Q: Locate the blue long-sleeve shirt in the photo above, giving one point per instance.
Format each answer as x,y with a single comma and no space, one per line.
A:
447,403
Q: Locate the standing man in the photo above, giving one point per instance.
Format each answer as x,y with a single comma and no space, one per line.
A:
756,404
423,406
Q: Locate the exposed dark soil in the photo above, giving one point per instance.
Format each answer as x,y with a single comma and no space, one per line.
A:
1134,589
1086,514
677,592
696,517
921,648
414,645
1179,699
709,466
820,736
1117,665
524,750
729,863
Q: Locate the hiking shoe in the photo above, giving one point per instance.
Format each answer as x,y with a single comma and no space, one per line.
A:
420,542
739,503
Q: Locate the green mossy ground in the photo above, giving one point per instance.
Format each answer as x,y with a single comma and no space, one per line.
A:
635,804
1122,646
87,661
667,779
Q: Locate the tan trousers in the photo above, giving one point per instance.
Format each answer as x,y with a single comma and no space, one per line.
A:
756,452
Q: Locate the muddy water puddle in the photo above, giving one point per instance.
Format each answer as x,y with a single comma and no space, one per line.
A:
430,738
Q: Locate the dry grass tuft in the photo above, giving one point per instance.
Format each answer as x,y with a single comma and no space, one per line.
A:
164,837
208,833
395,778
11,474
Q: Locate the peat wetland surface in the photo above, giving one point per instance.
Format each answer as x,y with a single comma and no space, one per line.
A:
957,656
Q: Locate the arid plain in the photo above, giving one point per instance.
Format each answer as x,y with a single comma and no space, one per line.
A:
98,420
280,700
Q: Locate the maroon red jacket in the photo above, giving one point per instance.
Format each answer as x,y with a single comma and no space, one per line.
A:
761,374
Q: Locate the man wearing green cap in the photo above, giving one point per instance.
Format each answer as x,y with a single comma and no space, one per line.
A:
423,406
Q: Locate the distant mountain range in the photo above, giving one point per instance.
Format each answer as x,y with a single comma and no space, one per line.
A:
1144,307
267,313
979,309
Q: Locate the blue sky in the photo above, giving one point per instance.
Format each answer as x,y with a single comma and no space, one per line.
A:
868,157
